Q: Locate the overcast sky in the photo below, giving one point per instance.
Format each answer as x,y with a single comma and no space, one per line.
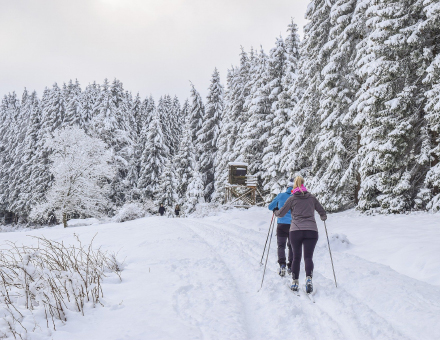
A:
153,46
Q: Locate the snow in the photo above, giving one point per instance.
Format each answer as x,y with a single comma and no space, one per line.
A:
197,278
237,164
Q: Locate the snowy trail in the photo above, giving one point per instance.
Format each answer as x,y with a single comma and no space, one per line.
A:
197,278
311,321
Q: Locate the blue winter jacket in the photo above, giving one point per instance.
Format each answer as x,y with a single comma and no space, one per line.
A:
279,202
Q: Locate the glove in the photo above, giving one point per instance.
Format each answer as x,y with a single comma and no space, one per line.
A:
323,218
275,209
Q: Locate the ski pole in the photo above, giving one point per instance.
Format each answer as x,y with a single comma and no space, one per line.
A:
267,257
331,259
270,227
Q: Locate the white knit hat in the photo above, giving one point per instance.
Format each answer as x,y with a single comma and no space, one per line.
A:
290,182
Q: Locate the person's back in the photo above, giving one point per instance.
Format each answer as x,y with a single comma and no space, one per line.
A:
279,201
303,206
161,210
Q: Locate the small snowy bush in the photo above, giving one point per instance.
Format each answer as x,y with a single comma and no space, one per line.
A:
339,242
40,284
209,209
130,211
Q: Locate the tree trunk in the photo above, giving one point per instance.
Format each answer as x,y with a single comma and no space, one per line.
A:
65,220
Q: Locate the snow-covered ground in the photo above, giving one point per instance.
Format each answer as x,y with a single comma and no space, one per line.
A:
197,278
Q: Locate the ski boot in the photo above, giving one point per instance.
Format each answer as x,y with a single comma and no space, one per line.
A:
289,269
309,285
294,286
282,271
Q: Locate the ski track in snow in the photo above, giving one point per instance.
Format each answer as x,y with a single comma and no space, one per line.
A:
193,278
355,320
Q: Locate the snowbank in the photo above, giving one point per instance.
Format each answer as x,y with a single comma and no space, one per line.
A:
197,278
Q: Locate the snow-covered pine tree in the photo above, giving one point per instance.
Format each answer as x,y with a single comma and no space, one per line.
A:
111,123
11,125
168,185
30,160
253,133
429,31
388,107
72,97
304,123
233,121
184,112
139,113
195,191
208,134
177,122
39,178
337,137
276,120
185,159
20,131
153,159
197,112
87,103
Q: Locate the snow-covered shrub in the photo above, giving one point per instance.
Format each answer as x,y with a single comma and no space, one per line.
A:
40,284
150,207
339,242
130,211
82,222
209,209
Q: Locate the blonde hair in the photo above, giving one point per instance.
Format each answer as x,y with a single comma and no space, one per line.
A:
299,181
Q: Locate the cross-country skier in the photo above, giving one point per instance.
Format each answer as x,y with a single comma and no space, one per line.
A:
283,227
303,229
161,209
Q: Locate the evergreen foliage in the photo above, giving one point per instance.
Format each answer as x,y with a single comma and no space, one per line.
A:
354,108
208,134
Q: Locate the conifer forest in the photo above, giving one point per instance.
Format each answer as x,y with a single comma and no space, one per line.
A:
353,106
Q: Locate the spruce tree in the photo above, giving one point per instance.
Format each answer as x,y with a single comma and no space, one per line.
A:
195,191
276,120
168,185
337,137
30,158
429,31
304,123
208,134
153,159
72,97
388,108
254,131
87,105
197,112
185,160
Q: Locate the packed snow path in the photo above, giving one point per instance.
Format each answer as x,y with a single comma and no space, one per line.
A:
198,279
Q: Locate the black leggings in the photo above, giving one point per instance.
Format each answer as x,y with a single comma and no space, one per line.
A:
298,238
282,239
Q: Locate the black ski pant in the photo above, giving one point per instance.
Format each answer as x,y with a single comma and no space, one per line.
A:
298,239
282,239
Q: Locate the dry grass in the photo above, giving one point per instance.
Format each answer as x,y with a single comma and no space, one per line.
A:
50,276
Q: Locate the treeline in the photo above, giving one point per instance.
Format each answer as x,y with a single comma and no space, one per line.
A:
152,144
354,107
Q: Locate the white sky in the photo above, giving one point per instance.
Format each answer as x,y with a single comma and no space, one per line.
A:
153,46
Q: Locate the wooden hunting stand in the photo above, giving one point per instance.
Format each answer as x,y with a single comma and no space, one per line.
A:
241,189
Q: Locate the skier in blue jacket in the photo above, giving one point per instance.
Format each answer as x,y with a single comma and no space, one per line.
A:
283,230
